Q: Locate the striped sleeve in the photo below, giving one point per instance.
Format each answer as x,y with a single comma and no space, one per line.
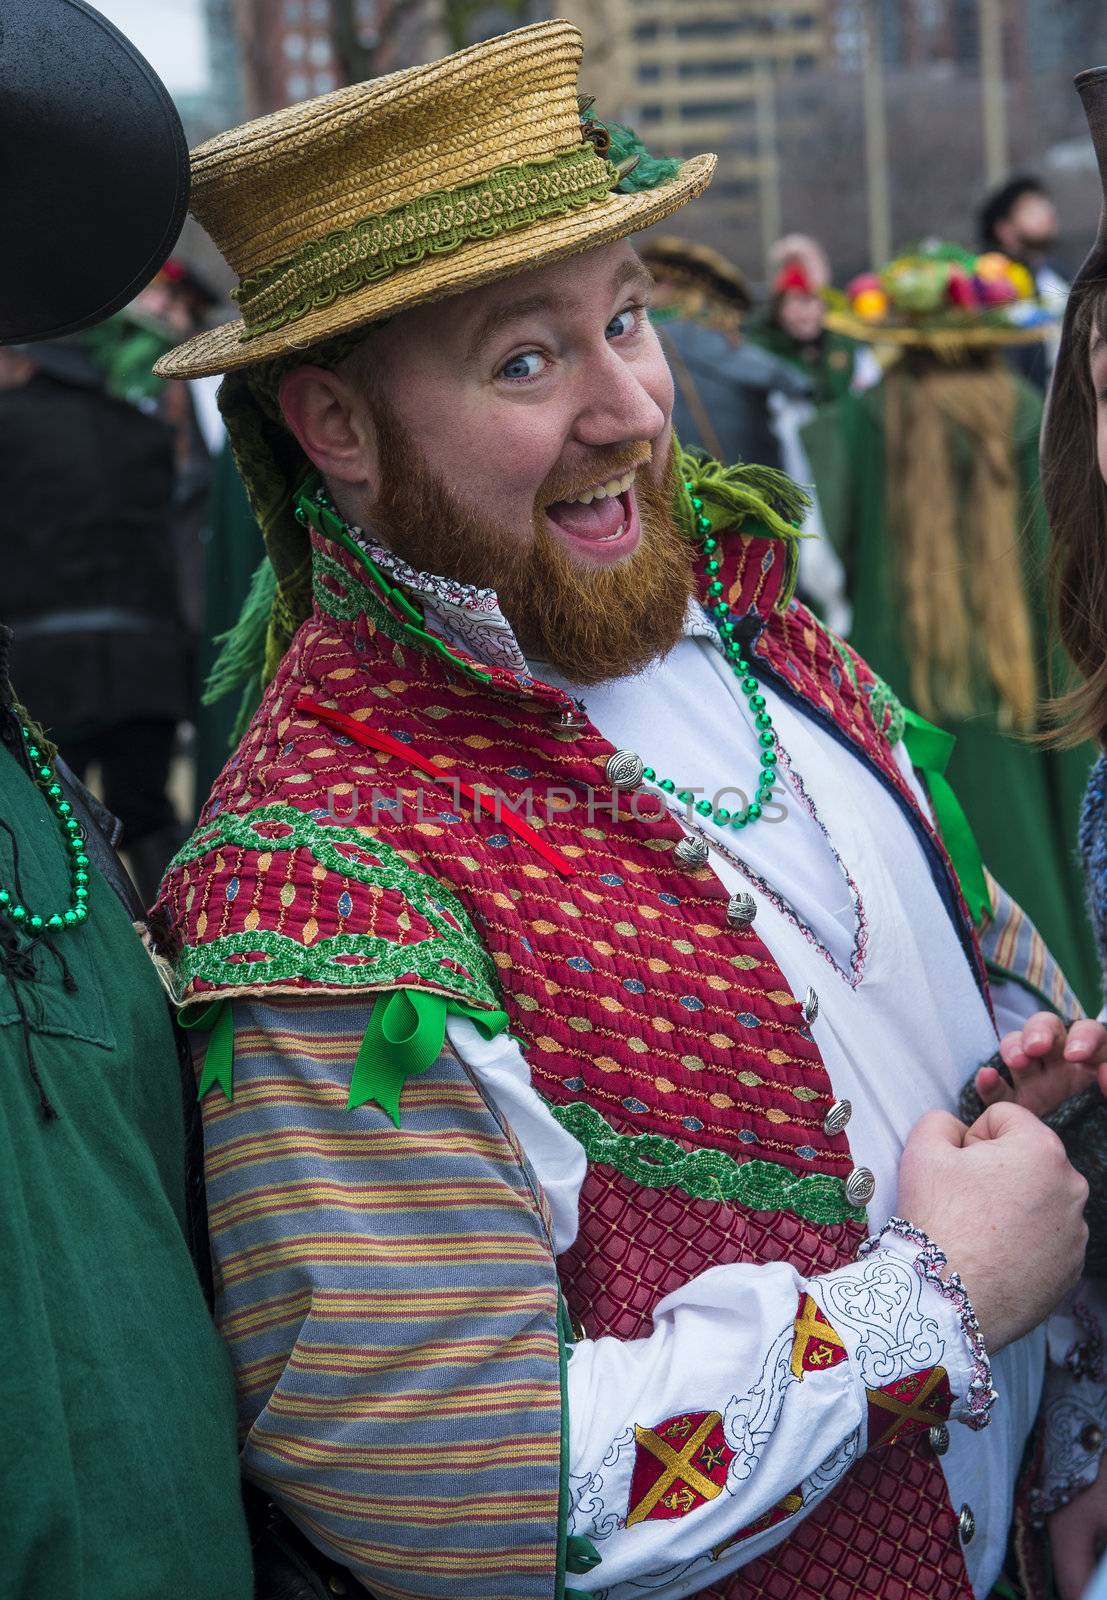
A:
390,1302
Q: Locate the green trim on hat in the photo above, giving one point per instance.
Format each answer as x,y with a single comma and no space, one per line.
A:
434,224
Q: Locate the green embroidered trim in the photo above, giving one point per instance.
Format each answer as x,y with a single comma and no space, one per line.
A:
655,1162
843,655
378,597
380,961
345,597
883,700
434,224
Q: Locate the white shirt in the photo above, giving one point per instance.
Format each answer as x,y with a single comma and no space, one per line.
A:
846,905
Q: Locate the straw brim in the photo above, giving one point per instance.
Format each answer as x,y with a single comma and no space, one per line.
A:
223,349
946,337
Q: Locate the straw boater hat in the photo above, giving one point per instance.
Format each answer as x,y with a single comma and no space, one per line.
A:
345,209
940,297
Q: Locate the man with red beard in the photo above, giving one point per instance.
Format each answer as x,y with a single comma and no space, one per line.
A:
541,1245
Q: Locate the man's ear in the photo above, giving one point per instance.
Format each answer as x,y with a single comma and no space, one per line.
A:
332,426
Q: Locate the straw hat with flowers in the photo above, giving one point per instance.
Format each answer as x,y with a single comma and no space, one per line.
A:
941,297
348,209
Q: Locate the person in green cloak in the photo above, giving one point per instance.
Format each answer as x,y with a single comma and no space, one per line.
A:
928,484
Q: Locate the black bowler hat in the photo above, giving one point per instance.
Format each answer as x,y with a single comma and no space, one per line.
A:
93,169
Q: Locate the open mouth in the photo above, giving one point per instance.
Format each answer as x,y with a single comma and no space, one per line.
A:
605,518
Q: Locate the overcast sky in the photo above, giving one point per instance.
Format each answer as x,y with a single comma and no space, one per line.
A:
170,34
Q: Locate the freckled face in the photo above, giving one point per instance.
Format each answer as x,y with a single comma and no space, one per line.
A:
538,400
1098,359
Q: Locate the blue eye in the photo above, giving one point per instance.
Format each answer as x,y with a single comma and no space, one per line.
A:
622,324
522,366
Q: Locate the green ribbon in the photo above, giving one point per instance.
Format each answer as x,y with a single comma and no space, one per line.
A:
582,1555
406,1032
216,1019
929,749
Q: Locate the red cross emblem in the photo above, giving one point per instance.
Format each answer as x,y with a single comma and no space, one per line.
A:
680,1464
920,1400
816,1346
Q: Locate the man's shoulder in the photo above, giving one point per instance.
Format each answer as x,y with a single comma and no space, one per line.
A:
286,898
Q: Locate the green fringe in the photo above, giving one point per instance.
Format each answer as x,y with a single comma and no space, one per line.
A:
241,659
651,171
743,493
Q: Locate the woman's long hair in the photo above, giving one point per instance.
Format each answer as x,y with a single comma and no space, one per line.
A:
959,566
1076,501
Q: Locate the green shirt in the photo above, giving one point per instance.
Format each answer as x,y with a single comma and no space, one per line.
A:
118,1461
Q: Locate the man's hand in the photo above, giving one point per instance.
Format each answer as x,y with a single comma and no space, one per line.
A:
1078,1537
1003,1203
1047,1064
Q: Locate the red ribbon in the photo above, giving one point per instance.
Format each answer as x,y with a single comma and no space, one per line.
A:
385,743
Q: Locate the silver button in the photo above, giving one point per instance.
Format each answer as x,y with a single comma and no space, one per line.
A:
837,1117
810,1005
1091,1438
939,1439
571,722
966,1524
741,909
860,1186
691,851
624,770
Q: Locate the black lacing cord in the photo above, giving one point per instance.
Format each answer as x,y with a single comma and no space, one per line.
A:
17,961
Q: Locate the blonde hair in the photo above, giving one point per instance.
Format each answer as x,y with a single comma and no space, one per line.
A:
960,565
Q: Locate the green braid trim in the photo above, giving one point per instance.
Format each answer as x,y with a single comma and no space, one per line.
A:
345,598
381,962
434,224
739,494
654,1162
884,704
377,598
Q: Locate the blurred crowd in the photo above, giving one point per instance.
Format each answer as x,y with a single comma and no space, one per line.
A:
135,544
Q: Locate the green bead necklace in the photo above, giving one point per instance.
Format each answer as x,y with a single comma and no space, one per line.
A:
740,666
77,910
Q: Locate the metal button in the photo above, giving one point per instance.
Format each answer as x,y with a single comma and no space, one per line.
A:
860,1186
939,1439
624,770
568,721
691,851
837,1117
741,909
1091,1438
810,1005
966,1524
337,1585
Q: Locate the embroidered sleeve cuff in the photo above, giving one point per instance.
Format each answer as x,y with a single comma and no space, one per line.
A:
967,1369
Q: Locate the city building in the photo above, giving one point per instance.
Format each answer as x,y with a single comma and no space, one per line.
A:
695,75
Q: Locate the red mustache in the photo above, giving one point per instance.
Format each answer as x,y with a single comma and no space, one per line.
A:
563,485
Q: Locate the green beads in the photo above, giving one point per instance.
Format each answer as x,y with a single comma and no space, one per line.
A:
751,688
77,910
